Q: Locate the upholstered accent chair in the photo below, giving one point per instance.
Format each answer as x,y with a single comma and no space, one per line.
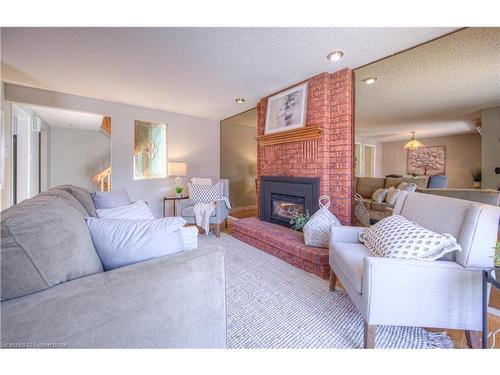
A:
220,214
445,293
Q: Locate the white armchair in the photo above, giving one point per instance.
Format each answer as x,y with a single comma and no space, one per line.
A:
443,294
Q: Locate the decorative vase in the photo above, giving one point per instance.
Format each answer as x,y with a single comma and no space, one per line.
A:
477,184
178,195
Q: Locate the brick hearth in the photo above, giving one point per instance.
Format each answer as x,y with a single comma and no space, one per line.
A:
283,243
330,158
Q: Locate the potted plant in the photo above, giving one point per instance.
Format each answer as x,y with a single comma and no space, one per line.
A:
299,221
178,191
476,176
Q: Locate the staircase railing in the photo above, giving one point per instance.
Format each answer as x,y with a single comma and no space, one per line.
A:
103,179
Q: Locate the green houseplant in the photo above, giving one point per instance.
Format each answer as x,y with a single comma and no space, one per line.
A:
476,176
299,221
178,191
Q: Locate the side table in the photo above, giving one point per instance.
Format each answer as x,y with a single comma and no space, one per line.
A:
175,199
489,277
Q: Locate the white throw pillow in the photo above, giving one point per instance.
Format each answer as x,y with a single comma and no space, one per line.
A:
136,211
407,186
205,193
201,181
392,195
397,237
379,195
123,242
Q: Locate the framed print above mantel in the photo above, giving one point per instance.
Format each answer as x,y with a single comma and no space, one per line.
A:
287,110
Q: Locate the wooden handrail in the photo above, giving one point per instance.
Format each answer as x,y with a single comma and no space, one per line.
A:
106,125
103,179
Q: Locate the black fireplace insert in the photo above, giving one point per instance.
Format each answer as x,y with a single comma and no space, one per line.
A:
283,198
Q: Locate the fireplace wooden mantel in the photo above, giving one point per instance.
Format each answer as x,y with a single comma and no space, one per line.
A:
308,133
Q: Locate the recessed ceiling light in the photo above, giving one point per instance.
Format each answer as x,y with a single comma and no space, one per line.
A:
240,100
370,80
335,56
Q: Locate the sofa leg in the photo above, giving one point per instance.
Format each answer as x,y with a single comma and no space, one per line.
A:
370,331
217,231
473,339
333,280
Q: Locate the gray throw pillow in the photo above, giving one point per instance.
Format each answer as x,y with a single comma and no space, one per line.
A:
111,199
379,195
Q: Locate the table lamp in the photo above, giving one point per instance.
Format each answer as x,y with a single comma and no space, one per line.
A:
178,169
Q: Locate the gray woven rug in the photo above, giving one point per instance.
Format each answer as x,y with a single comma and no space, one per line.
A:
272,304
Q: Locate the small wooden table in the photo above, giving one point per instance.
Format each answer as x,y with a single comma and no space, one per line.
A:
175,199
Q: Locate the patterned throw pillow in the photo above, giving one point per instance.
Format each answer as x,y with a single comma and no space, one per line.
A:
407,186
397,237
379,195
392,195
205,193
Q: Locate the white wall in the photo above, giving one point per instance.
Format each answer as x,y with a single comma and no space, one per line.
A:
462,153
490,141
76,155
191,139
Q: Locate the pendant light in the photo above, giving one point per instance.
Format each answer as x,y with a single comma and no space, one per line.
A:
413,144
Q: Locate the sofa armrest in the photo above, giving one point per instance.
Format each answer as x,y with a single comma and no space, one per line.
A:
176,301
345,234
221,210
421,293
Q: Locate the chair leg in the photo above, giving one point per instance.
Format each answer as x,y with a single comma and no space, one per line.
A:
370,331
333,280
225,222
473,339
217,231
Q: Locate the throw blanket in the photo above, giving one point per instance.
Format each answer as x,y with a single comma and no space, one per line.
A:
202,212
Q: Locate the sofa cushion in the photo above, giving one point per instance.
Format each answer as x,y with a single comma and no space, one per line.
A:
68,198
438,182
398,237
379,195
45,241
420,181
366,186
82,195
380,206
392,195
349,257
135,211
123,242
111,199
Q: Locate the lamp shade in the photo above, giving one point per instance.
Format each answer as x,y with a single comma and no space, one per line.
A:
177,169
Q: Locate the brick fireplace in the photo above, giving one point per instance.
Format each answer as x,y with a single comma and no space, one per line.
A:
327,157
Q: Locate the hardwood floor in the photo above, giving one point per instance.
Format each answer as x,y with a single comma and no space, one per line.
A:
457,336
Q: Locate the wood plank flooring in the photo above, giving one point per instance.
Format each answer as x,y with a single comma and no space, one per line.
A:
457,336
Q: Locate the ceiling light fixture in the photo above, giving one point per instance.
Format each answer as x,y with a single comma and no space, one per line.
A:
413,144
335,56
370,80
240,100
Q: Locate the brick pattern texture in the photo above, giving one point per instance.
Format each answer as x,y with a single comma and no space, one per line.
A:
283,243
330,106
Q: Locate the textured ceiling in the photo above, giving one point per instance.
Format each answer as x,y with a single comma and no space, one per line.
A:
435,89
61,118
196,71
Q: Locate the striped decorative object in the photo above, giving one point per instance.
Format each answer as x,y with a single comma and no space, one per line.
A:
205,193
136,211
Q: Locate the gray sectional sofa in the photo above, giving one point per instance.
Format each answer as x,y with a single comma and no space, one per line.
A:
366,186
54,292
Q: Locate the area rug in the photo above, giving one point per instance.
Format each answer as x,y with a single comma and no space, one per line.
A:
272,304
